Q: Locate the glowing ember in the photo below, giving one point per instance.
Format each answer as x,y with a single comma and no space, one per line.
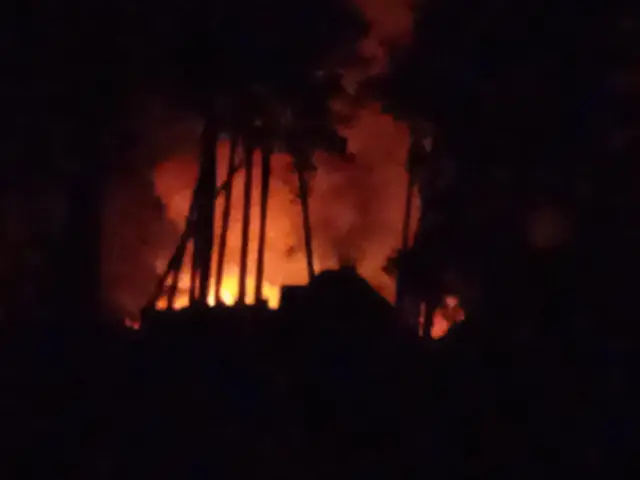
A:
439,327
132,323
446,316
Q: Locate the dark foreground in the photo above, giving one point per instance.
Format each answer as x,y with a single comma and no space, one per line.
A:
283,396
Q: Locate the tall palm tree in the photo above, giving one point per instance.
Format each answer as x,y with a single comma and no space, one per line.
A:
309,125
171,274
246,219
204,198
226,215
314,135
415,164
408,203
265,171
196,37
259,134
303,164
406,225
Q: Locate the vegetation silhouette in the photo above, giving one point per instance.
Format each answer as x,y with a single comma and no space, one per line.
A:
334,384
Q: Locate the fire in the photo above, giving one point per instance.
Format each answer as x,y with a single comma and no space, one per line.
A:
229,292
132,323
356,207
446,316
348,219
439,327
356,213
284,253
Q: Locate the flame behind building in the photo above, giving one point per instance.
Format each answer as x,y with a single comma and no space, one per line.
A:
356,212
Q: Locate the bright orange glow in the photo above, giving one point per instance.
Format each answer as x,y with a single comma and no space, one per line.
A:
446,316
344,222
356,207
132,323
356,210
229,292
439,327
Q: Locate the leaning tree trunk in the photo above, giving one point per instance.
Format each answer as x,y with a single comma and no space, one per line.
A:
175,265
226,216
246,220
306,219
264,198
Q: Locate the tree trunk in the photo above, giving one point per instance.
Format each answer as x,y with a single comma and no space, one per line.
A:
175,265
264,198
306,220
193,276
205,197
210,138
246,220
406,224
226,216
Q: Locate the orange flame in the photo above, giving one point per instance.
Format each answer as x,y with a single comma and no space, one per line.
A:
132,323
355,213
229,292
356,209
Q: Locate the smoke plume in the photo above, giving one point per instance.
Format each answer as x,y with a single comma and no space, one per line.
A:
356,207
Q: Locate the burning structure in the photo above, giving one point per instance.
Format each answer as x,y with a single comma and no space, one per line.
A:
236,272
355,211
245,254
360,208
199,283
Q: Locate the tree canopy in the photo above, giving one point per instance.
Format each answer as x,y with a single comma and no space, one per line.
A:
73,71
502,79
87,60
515,90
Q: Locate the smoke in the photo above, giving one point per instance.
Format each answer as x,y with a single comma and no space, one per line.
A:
362,201
356,207
137,230
367,195
391,20
391,24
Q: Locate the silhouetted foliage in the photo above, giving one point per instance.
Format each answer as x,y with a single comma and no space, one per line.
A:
507,86
88,64
332,385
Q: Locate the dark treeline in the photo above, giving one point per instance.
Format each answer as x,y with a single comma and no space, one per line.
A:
530,123
527,108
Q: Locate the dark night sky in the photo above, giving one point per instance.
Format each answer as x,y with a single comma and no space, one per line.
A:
529,213
517,85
